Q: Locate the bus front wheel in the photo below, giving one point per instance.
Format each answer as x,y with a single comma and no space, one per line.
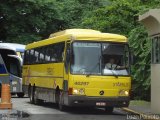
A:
60,102
37,101
109,110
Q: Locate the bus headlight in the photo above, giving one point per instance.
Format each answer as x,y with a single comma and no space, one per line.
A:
78,91
75,91
126,93
123,93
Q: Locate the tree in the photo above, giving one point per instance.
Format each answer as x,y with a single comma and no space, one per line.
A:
141,47
74,11
24,21
119,17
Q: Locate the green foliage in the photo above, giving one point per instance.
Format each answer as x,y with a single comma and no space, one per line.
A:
25,21
119,17
74,11
141,47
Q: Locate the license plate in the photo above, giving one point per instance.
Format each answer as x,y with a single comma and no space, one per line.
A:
100,104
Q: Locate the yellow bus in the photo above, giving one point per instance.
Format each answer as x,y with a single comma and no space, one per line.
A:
70,68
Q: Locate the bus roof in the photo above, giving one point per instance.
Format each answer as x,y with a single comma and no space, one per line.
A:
75,32
13,46
78,34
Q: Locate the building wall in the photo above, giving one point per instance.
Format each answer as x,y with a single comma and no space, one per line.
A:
151,21
155,88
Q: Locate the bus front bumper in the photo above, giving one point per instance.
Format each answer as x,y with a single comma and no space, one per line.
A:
98,101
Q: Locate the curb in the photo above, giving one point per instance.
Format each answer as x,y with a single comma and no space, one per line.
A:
142,115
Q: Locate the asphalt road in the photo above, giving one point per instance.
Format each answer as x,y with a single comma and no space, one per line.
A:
49,111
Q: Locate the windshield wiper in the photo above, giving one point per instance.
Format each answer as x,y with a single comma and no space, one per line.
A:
112,72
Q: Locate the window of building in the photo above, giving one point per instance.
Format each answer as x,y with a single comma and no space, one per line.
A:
156,49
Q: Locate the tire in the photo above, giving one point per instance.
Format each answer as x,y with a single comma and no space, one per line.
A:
20,95
29,91
32,95
61,106
57,95
109,110
36,100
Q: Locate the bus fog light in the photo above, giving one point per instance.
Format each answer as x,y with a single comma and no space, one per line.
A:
81,91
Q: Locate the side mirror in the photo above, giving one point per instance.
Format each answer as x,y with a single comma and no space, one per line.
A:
131,57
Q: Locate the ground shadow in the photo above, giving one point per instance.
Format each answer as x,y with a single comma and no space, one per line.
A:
82,110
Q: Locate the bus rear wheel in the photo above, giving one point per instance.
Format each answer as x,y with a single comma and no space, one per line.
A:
20,95
31,96
37,101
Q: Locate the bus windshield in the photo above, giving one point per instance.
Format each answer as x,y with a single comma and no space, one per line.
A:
2,66
100,58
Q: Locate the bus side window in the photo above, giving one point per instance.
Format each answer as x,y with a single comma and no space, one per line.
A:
32,57
26,57
41,55
36,55
58,51
47,54
52,53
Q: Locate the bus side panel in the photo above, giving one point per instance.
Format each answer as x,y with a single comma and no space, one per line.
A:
46,77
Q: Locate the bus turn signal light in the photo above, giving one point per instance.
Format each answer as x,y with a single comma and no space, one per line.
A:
70,91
